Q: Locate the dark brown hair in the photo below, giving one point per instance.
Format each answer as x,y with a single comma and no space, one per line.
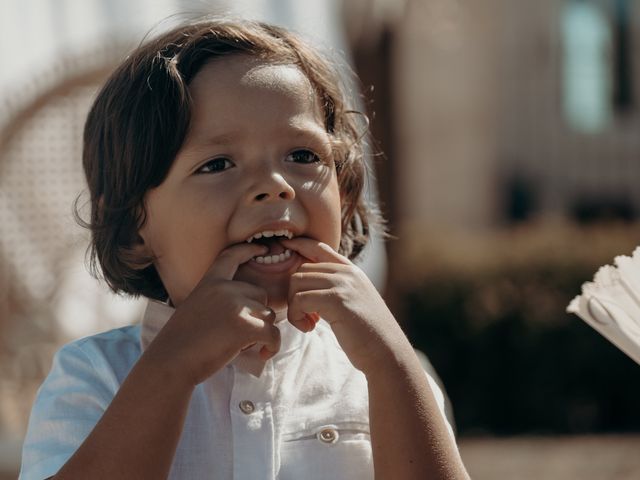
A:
141,116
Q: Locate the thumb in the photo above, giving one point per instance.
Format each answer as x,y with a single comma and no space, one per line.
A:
224,267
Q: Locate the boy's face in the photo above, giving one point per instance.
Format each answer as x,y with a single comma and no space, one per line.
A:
256,158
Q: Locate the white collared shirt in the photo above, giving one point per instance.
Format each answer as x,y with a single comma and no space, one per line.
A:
305,416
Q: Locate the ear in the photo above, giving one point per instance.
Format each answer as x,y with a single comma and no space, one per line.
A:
138,255
140,245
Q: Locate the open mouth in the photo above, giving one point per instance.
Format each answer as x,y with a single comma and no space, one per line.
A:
277,253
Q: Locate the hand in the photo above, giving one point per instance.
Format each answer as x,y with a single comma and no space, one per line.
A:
218,319
331,286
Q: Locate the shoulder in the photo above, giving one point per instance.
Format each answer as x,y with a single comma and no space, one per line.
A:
112,343
120,345
128,335
84,377
104,358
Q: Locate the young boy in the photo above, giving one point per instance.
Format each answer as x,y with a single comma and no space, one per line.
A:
226,174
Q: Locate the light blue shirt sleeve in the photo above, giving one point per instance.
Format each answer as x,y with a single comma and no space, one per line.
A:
79,388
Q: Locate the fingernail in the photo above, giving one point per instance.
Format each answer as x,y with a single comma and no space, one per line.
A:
310,324
312,319
265,353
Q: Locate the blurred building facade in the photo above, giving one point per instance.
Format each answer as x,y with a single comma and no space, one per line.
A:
504,110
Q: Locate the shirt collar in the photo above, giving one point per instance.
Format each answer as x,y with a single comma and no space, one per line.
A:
157,314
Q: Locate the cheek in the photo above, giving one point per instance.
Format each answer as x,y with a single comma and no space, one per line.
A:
332,215
186,237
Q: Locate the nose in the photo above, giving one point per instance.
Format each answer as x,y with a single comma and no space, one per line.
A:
273,186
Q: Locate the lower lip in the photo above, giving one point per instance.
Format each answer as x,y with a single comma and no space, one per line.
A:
280,267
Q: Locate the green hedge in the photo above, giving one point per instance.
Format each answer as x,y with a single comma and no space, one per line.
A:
510,357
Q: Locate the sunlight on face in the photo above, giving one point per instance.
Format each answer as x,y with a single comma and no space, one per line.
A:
256,158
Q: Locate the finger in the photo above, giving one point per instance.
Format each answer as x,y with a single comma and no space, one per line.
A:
305,306
313,318
251,291
314,250
260,312
265,314
256,315
304,281
265,334
265,353
310,321
324,267
224,267
270,341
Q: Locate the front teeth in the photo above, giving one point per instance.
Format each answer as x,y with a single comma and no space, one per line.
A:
270,259
270,233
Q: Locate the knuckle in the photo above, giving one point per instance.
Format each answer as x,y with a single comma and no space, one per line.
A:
337,294
239,310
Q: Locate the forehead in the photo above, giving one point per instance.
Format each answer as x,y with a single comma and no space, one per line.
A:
285,78
234,89
248,71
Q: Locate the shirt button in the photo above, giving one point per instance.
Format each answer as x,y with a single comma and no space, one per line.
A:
328,435
247,406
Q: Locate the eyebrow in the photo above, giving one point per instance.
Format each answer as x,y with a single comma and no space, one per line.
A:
229,138
222,139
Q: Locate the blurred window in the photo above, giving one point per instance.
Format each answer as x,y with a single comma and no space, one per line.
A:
623,94
587,69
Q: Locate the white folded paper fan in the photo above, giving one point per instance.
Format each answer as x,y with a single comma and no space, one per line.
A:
611,303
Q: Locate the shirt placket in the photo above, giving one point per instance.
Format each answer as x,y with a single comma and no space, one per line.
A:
252,425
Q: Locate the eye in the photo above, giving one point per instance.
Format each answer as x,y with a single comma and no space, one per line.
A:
216,165
303,156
